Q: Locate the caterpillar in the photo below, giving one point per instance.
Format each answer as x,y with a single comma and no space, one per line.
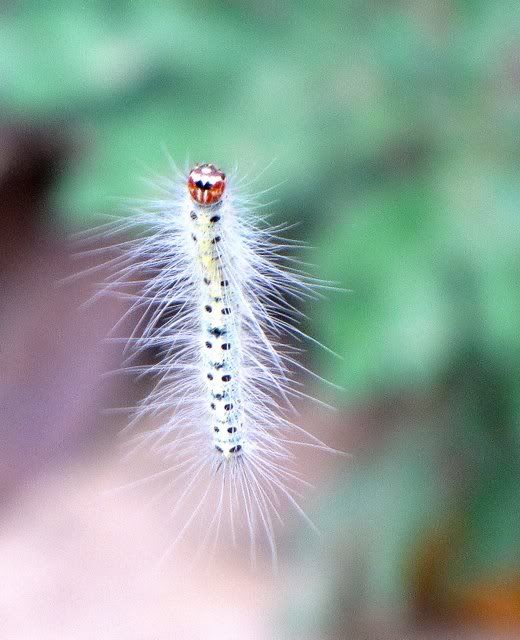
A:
221,356
219,296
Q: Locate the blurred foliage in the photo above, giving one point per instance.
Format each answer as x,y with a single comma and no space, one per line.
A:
395,129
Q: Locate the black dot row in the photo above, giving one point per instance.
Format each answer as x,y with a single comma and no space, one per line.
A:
227,407
232,450
226,311
229,429
223,283
213,240
225,378
225,347
213,219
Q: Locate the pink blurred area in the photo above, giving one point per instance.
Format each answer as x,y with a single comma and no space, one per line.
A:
76,562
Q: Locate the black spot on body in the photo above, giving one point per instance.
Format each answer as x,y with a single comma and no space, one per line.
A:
216,239
213,405
228,407
216,429
226,311
217,332
214,219
193,215
226,346
208,308
224,283
236,449
218,365
208,345
219,449
210,376
232,430
226,378
207,281
194,237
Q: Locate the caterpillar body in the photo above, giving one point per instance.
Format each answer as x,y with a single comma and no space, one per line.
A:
218,300
221,352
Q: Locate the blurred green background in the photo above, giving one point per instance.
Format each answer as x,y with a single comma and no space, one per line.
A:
394,127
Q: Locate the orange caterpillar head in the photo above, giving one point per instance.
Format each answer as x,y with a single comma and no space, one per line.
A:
206,184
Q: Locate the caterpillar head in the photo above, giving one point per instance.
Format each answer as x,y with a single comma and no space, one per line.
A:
206,184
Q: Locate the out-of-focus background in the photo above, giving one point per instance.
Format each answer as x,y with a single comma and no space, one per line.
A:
395,128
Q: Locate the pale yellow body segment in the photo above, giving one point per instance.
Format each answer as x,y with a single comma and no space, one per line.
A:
221,331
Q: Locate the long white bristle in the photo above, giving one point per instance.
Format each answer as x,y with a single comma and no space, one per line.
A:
219,295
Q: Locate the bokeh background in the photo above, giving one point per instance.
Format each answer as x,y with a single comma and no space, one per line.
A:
394,130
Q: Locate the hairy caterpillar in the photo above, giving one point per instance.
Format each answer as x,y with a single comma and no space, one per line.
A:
218,300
